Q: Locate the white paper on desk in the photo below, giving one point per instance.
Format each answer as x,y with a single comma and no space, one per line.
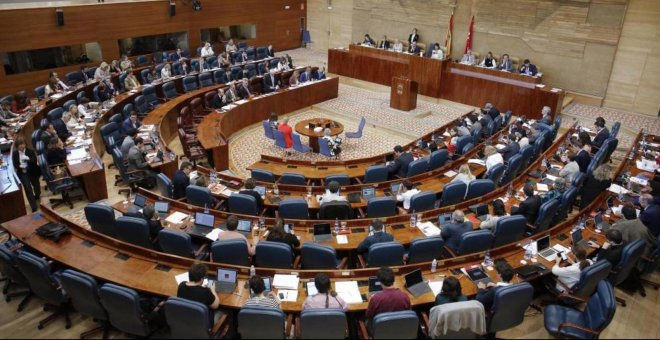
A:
428,228
76,154
560,248
551,177
585,129
242,101
290,295
311,288
77,161
617,189
446,134
640,181
500,146
542,187
646,165
349,291
436,287
286,281
540,86
476,161
227,192
450,173
176,217
214,234
342,239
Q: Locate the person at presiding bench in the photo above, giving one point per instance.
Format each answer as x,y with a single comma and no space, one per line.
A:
286,129
437,52
406,195
451,292
294,80
378,236
468,58
232,234
452,232
231,95
307,75
398,46
528,68
486,293
399,166
384,43
131,82
131,122
219,99
182,180
530,206
194,289
278,234
505,64
489,61
368,41
326,297
390,299
249,190
413,49
332,193
413,37
259,297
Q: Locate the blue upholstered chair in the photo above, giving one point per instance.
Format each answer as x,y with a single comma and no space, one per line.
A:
13,277
279,139
298,145
375,174
478,188
515,165
273,255
205,79
243,204
84,293
509,306
190,84
268,130
328,323
169,90
133,230
509,229
453,193
381,207
392,325
342,179
438,159
178,243
234,252
383,254
319,256
270,320
294,208
291,178
417,167
472,242
547,212
262,175
125,312
358,133
200,196
101,218
495,173
165,185
422,201
630,255
425,249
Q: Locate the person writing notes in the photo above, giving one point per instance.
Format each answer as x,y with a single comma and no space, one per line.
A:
505,64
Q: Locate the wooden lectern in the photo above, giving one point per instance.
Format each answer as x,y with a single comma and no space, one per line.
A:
403,95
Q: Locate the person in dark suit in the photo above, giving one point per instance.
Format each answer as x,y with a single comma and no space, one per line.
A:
278,234
271,83
231,95
131,122
249,190
583,157
491,110
378,236
486,293
307,75
452,232
219,99
399,166
413,49
530,206
149,214
182,180
597,181
528,68
650,214
48,134
511,149
384,43
611,249
270,51
27,169
602,134
244,91
368,41
413,37
56,153
61,129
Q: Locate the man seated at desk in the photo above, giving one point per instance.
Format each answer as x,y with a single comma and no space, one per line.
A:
377,234
468,58
332,193
399,166
489,61
530,206
452,232
528,68
271,83
182,180
307,75
131,122
136,161
398,46
219,99
231,95
486,293
384,43
413,49
505,64
244,91
249,190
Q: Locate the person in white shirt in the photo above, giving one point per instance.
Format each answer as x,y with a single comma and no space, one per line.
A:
568,276
83,108
398,46
332,193
166,72
406,195
102,73
437,52
207,51
571,168
499,211
59,82
464,175
489,61
230,47
71,118
522,138
468,58
283,65
492,157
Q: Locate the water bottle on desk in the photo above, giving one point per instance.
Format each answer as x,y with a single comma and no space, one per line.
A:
253,271
336,226
413,220
488,261
528,252
434,266
206,208
276,190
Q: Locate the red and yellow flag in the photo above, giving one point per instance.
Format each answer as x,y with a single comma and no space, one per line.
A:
468,42
450,30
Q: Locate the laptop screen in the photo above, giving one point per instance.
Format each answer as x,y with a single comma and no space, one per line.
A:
140,201
598,219
244,226
226,275
374,285
261,190
395,187
162,207
322,229
267,283
444,219
577,235
414,278
368,192
203,219
543,243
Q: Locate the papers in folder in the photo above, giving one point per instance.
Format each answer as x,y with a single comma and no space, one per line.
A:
342,239
428,228
176,217
286,281
617,189
349,291
477,161
214,234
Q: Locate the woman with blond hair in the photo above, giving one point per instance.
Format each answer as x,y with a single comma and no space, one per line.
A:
464,175
597,181
492,157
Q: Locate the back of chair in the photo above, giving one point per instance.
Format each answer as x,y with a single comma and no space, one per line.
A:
589,279
295,208
327,323
567,200
475,241
336,209
243,204
9,268
342,179
124,310
101,218
461,142
268,130
133,230
262,175
453,193
495,173
273,255
538,145
381,207
37,272
547,212
422,201
205,79
478,188
509,229
425,249
199,196
291,178
55,114
190,83
509,306
632,252
165,185
385,254
512,169
84,293
417,167
149,93
395,325
375,174
233,252
578,180
654,257
270,323
615,129
169,90
324,147
318,256
526,153
40,91
438,159
176,243
197,107
187,319
601,307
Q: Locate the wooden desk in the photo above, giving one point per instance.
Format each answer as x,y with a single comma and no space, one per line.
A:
91,174
302,128
11,191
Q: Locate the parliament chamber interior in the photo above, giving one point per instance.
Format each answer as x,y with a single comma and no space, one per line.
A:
329,169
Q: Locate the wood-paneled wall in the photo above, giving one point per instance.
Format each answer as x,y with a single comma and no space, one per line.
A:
28,29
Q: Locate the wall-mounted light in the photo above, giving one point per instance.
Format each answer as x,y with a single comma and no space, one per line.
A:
328,3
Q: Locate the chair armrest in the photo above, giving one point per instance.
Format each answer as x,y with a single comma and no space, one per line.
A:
342,263
363,263
289,323
200,250
361,212
296,262
402,211
424,324
364,334
578,327
451,252
358,180
570,296
60,179
298,333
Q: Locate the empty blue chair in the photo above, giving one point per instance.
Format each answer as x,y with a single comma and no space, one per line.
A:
509,306
509,229
141,106
294,208
467,148
180,244
547,212
261,53
189,320
13,277
111,136
491,128
220,76
133,230
473,242
615,129
144,76
567,200
461,142
169,90
158,68
116,118
262,175
438,159
425,249
251,53
381,207
422,201
101,218
200,196
177,70
515,165
251,70
194,65
507,118
212,62
84,293
190,84
270,323
141,60
453,193
319,256
205,79
610,146
394,325
55,114
279,139
630,255
478,188
476,136
340,178
40,148
324,148
125,312
40,91
149,93
74,77
526,152
384,254
417,167
375,174
234,252
126,111
67,104
293,179
236,72
243,204
165,186
268,130
298,145
538,145
329,323
358,133
566,322
273,255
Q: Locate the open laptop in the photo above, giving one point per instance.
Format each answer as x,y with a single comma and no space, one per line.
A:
374,286
261,190
244,227
576,236
600,223
204,224
481,210
227,279
544,249
140,201
444,218
415,283
162,208
478,275
368,193
322,232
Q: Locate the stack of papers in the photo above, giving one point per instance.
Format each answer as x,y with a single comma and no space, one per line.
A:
214,234
641,181
551,177
450,173
428,228
176,217
477,161
349,291
542,187
311,288
617,189
286,281
77,154
436,287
